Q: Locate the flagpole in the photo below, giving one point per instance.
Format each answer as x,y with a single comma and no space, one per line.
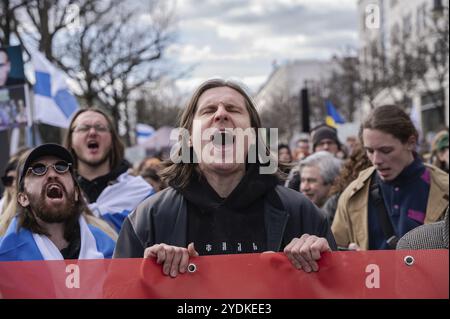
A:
30,132
304,106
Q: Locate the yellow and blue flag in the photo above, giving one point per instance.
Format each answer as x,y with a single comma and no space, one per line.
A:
333,116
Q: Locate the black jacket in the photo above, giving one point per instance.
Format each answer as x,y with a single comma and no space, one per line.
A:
93,188
162,218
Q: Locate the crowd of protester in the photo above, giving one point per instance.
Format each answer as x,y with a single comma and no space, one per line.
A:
84,200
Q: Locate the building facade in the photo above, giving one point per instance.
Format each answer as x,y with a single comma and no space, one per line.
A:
391,29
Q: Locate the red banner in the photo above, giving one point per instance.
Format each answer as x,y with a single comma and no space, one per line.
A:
374,274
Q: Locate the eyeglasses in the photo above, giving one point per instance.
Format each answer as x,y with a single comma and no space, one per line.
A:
84,128
40,169
7,181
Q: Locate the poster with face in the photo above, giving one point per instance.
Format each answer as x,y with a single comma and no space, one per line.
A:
13,90
11,66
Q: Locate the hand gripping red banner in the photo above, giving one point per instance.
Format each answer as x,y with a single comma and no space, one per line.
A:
348,275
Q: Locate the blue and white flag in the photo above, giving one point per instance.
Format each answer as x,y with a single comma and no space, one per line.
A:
54,103
22,244
121,198
88,249
143,132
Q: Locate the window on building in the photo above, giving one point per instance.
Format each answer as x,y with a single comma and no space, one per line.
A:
432,112
437,5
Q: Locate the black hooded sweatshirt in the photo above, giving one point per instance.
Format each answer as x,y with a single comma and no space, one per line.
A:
229,225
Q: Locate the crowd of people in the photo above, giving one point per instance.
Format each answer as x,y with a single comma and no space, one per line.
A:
84,200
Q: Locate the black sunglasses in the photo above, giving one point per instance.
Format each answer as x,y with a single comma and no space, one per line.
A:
40,169
7,181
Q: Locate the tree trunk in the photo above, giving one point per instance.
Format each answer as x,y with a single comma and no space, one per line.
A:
7,26
45,45
127,136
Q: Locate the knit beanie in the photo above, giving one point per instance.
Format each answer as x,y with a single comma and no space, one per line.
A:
442,143
324,132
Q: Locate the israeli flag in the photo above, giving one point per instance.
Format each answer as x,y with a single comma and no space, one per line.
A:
143,132
21,244
120,199
54,103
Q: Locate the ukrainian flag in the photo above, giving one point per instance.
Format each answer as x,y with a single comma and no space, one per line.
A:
333,117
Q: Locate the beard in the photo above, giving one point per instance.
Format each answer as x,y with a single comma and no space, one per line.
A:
95,163
55,213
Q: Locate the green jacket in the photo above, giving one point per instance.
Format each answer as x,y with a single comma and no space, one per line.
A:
350,223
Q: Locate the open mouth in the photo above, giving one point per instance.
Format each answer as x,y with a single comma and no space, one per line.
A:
54,191
93,145
222,138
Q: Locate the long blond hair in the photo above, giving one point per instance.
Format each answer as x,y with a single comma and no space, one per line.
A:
8,214
9,194
10,203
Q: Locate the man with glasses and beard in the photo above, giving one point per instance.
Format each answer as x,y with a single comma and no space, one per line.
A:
53,222
102,171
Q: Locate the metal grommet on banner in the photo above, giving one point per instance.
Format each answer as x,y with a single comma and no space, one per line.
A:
409,260
192,267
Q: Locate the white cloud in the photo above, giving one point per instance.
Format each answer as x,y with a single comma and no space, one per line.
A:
279,44
234,32
254,82
189,53
187,86
324,4
242,37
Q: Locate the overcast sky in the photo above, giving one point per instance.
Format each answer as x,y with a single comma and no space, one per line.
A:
242,38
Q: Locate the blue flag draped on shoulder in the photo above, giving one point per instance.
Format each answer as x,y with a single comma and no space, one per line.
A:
119,199
333,117
54,103
19,243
